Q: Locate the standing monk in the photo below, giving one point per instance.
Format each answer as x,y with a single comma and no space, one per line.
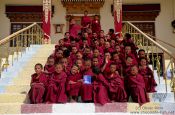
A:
38,85
74,28
96,27
56,88
85,21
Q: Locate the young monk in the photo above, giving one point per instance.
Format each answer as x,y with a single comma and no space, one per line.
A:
119,64
66,65
106,63
80,62
49,67
56,88
128,52
95,62
100,87
58,55
148,76
137,87
87,89
117,91
74,82
38,85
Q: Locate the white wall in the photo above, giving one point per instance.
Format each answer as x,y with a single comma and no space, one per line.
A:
163,21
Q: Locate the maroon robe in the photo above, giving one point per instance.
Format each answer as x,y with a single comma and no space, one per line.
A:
38,88
96,27
150,82
74,89
56,88
116,88
74,29
137,89
49,68
100,90
85,21
87,89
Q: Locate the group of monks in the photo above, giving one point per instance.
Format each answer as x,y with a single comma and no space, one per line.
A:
93,67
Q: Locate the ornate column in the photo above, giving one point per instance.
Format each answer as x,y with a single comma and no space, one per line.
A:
117,16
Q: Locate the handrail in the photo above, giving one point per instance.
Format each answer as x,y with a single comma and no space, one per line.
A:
19,42
160,40
152,50
157,44
16,33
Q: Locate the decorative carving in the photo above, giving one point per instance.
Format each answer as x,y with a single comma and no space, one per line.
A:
25,13
18,17
79,6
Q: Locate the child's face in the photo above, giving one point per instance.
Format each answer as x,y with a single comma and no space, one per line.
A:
51,61
74,49
79,55
116,57
117,48
134,70
61,42
59,53
87,51
95,61
107,55
113,68
38,69
127,50
129,61
107,45
96,53
64,61
79,63
141,54
74,70
87,65
112,43
143,62
59,68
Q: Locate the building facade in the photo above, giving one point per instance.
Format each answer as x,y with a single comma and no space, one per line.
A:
152,16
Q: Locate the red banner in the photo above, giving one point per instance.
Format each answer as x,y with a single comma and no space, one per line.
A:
46,18
118,16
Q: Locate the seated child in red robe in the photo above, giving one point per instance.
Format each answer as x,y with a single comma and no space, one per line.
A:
137,87
38,85
56,88
87,88
116,91
148,76
49,67
100,87
74,82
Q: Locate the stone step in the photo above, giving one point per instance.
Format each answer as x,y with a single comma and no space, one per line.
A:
20,89
88,108
162,97
13,98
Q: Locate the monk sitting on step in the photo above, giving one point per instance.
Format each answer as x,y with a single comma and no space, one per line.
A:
38,85
56,88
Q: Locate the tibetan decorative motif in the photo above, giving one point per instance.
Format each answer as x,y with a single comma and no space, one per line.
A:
118,8
79,6
46,9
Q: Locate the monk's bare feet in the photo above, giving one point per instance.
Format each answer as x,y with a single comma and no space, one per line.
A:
72,101
48,102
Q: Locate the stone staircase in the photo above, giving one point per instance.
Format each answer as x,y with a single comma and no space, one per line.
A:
14,86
